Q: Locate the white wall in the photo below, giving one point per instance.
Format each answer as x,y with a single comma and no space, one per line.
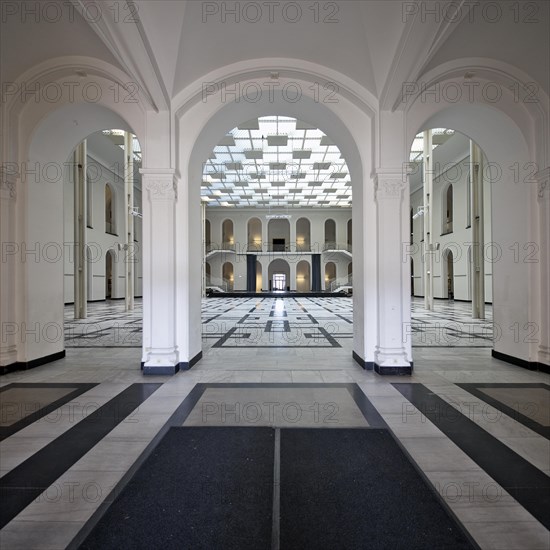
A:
105,164
452,162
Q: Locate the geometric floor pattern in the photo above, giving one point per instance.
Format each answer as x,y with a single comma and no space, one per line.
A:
449,324
280,322
64,463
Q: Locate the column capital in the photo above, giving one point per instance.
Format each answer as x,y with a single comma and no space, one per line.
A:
390,183
8,180
160,184
543,184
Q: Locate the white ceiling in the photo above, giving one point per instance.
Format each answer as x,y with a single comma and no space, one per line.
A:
276,161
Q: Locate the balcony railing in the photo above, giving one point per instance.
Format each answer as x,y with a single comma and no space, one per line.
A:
214,247
340,282
337,246
217,282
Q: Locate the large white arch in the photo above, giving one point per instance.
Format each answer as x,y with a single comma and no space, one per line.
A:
43,134
200,123
510,133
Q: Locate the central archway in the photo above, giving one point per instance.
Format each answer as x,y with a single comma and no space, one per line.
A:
346,123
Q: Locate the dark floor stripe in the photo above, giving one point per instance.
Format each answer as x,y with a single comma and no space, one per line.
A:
275,528
224,338
526,483
176,420
6,431
475,389
22,485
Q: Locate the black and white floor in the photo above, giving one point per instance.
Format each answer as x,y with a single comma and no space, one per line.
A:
286,322
72,431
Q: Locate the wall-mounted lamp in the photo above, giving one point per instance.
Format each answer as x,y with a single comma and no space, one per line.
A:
421,210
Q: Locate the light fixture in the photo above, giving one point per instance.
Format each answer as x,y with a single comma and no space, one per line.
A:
421,210
134,211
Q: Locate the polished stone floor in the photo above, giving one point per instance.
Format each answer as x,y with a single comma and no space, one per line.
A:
501,413
281,322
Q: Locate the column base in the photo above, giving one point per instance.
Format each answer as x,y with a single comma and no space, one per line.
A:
367,365
393,371
164,369
161,362
392,362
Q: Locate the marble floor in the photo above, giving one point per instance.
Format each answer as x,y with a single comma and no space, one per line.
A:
268,322
476,427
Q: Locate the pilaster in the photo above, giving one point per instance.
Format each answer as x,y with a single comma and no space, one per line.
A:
543,199
160,353
390,355
8,196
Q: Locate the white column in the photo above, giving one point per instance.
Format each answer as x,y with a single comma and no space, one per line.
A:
265,243
390,356
80,243
129,218
10,250
265,265
428,222
478,248
203,249
160,354
292,244
292,262
543,180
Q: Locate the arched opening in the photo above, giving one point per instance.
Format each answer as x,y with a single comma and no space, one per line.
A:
278,233
207,234
228,276
303,283
110,219
279,275
330,234
303,235
449,278
447,211
259,280
260,192
441,265
255,236
330,275
109,278
90,178
228,238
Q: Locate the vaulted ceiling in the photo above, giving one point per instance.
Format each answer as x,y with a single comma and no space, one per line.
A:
165,45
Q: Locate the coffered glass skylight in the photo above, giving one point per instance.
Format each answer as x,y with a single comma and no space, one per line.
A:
276,161
439,137
117,137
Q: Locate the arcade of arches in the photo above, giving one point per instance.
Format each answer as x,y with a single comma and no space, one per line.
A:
194,222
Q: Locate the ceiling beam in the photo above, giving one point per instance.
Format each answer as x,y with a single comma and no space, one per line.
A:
422,37
125,37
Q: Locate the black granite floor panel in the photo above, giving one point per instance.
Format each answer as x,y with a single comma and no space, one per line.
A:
20,486
525,482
